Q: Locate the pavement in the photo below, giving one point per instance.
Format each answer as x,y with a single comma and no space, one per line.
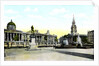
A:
49,54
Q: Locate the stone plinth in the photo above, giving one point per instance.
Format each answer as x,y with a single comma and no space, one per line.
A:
33,44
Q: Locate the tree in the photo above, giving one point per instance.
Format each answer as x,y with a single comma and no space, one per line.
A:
65,36
84,39
32,29
16,38
56,40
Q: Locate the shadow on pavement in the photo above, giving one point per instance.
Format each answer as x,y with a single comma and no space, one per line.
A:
77,54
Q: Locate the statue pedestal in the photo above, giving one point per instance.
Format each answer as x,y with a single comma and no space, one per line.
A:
32,44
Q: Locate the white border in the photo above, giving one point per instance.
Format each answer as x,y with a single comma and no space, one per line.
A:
47,2
95,62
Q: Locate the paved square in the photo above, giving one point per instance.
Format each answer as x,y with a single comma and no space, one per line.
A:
49,54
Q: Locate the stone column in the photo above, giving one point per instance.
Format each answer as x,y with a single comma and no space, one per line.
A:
39,39
53,40
50,40
19,38
4,37
25,39
14,36
47,41
8,40
35,40
10,37
7,36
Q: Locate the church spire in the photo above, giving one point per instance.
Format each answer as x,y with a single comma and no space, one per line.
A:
73,20
73,27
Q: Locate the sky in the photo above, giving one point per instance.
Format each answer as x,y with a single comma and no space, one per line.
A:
55,18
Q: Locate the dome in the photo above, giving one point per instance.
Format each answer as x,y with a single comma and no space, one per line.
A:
11,26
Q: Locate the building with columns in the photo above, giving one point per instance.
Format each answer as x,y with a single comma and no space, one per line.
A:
44,39
13,37
17,38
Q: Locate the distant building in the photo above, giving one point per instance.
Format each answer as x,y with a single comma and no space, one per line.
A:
46,38
91,36
72,38
61,39
13,37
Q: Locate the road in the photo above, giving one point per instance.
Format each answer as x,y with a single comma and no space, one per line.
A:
49,54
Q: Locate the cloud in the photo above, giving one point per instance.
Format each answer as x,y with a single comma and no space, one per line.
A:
68,16
35,16
82,15
57,11
27,9
13,17
10,11
35,9
78,15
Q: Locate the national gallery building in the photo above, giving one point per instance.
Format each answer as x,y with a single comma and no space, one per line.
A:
17,38
46,38
13,37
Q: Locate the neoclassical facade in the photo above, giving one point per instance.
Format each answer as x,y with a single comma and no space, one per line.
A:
13,37
44,39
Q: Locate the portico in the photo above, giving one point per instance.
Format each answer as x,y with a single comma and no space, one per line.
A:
13,36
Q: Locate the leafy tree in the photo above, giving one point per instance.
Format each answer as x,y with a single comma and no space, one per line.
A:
16,38
32,29
65,36
56,40
84,39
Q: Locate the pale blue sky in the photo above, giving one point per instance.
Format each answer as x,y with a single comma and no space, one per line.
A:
51,17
